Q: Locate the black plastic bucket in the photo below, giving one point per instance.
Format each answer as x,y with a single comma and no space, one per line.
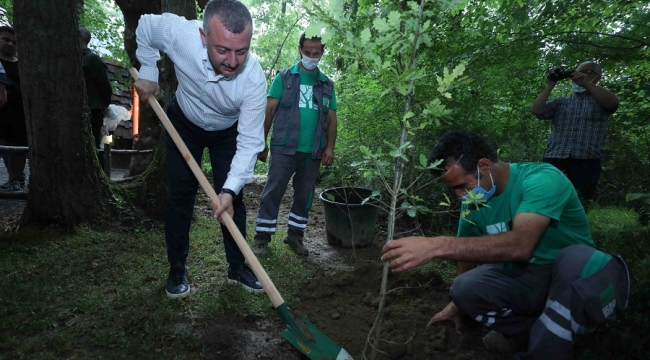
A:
348,222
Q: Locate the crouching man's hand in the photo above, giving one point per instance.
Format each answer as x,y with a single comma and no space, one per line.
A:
450,312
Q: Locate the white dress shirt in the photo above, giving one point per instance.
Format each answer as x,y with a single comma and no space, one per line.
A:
210,101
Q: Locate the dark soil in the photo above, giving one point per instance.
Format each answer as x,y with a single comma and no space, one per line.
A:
344,306
342,299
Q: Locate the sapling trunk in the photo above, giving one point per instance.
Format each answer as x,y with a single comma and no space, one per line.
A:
397,184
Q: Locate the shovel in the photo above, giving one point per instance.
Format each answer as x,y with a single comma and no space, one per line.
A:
301,334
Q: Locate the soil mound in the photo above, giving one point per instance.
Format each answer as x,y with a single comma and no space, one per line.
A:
344,307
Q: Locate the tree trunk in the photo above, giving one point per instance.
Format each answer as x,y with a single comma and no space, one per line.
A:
149,127
151,188
67,185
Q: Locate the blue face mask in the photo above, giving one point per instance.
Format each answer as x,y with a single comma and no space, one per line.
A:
478,190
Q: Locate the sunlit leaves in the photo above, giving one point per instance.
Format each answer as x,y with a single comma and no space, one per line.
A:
394,19
449,77
447,201
381,25
105,22
365,35
423,161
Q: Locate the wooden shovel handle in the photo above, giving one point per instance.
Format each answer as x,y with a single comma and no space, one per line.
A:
255,265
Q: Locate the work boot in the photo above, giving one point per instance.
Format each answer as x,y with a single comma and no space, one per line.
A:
177,285
261,246
499,343
11,187
496,342
295,243
243,276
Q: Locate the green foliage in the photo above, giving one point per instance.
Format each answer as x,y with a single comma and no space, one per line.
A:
206,165
616,229
6,12
276,41
103,19
105,22
376,51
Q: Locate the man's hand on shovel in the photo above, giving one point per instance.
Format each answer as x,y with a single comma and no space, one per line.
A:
225,200
146,88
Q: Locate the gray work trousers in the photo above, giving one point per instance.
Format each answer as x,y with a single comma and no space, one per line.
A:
305,172
556,302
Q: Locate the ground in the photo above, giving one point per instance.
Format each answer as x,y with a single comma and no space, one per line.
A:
341,300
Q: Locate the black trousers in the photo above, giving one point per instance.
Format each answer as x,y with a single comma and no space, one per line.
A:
96,123
583,174
182,185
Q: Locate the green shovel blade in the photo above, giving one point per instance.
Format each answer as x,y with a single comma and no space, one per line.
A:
312,342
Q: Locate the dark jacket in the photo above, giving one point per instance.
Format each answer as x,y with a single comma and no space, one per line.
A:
98,86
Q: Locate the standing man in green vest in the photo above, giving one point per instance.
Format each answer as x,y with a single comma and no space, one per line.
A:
301,105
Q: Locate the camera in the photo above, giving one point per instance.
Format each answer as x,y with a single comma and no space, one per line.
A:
559,74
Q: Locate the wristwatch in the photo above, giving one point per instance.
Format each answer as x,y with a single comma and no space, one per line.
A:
228,191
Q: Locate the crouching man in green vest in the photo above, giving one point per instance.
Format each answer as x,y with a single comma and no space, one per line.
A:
527,264
301,106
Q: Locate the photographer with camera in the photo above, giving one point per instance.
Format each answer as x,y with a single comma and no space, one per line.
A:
578,125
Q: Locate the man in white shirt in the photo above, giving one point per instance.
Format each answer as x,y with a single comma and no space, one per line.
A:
219,104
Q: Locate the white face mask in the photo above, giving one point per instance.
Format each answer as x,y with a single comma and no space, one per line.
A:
309,63
580,89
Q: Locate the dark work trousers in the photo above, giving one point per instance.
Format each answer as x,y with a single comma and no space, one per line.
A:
583,174
583,288
305,172
182,185
96,123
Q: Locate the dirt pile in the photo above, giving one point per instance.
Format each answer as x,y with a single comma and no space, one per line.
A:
344,307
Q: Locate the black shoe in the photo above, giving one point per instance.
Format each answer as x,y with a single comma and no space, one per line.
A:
177,285
243,276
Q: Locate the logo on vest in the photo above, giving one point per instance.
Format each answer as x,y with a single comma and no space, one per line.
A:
497,228
307,97
609,308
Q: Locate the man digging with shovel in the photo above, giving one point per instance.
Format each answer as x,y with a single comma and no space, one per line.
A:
219,105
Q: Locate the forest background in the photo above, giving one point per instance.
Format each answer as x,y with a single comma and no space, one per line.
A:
480,64
505,48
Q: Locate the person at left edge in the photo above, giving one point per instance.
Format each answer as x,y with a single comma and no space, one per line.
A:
219,105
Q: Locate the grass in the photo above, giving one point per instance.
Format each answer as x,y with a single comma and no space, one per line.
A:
261,168
612,219
617,230
100,295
